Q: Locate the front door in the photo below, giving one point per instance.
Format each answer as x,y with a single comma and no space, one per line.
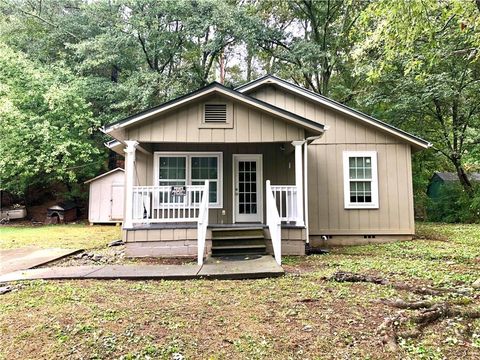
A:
247,182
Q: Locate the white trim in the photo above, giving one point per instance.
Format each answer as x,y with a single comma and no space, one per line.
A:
296,119
188,178
331,104
259,159
346,180
129,181
299,180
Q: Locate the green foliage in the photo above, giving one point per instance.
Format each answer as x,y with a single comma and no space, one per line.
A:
455,205
414,64
46,126
423,69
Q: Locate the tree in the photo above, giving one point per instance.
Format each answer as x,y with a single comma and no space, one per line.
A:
310,42
422,61
46,127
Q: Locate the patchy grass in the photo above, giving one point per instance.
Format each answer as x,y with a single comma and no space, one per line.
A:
300,316
76,236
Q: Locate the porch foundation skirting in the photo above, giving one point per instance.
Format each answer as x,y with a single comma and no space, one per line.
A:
178,242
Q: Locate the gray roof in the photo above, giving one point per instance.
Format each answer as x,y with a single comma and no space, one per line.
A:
451,176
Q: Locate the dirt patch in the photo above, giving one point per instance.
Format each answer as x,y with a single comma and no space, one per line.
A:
114,255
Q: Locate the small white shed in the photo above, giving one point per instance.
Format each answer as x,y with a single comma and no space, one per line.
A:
106,199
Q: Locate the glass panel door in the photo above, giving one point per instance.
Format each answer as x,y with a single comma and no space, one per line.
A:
248,201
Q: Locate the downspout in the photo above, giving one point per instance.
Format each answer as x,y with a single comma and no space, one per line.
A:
305,184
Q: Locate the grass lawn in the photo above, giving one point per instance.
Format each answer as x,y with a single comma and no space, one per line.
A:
301,316
78,236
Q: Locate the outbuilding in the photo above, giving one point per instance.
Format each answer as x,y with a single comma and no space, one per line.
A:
439,179
106,197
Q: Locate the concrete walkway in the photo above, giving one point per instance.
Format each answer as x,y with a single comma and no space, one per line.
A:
214,268
26,258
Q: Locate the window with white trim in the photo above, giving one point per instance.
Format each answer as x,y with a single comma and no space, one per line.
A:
191,169
360,179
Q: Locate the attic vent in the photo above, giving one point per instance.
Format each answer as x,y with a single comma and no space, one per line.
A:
215,112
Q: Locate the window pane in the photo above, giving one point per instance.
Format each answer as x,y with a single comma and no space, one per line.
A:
360,192
206,168
360,167
172,168
212,194
368,173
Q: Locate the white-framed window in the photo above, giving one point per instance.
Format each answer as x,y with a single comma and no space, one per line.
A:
191,168
360,178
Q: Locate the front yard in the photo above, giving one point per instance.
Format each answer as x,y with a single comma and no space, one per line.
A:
303,315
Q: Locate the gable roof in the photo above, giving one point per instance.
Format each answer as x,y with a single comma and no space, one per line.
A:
450,176
216,88
332,104
104,174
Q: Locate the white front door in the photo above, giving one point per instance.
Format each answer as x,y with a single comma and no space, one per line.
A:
247,183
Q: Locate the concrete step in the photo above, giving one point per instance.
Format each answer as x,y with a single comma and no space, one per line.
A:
237,242
237,233
238,237
236,250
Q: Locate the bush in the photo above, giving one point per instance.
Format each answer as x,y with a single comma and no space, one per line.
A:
455,205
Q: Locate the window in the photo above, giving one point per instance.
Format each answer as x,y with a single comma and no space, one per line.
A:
172,169
360,179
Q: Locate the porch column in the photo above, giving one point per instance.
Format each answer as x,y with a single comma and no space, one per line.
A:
129,181
299,180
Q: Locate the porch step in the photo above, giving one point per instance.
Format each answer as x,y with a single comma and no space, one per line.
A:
238,241
218,233
238,237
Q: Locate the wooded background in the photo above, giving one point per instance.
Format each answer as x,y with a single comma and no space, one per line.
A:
68,67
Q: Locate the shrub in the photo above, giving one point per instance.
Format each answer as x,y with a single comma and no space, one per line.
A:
455,205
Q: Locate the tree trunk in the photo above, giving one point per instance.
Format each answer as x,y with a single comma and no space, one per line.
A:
462,176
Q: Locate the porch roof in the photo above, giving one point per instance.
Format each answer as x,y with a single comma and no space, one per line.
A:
215,88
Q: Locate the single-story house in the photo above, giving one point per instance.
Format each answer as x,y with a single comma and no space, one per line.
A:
439,179
265,167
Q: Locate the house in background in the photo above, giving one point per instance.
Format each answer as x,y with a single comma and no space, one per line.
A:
268,166
439,179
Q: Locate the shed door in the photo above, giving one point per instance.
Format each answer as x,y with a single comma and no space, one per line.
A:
116,212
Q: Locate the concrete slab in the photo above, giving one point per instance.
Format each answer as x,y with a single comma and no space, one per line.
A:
70,272
27,258
167,272
214,268
254,267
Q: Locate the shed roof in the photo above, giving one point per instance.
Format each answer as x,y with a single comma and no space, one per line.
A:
451,176
104,174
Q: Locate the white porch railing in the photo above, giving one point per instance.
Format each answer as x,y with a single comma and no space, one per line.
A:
158,204
274,223
286,201
202,225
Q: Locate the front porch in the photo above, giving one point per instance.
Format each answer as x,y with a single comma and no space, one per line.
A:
178,195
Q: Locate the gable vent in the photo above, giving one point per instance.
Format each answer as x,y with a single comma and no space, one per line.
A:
215,112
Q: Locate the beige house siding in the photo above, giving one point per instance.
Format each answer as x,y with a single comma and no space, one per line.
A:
327,215
185,126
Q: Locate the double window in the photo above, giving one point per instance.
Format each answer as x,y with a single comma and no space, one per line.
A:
181,169
360,179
